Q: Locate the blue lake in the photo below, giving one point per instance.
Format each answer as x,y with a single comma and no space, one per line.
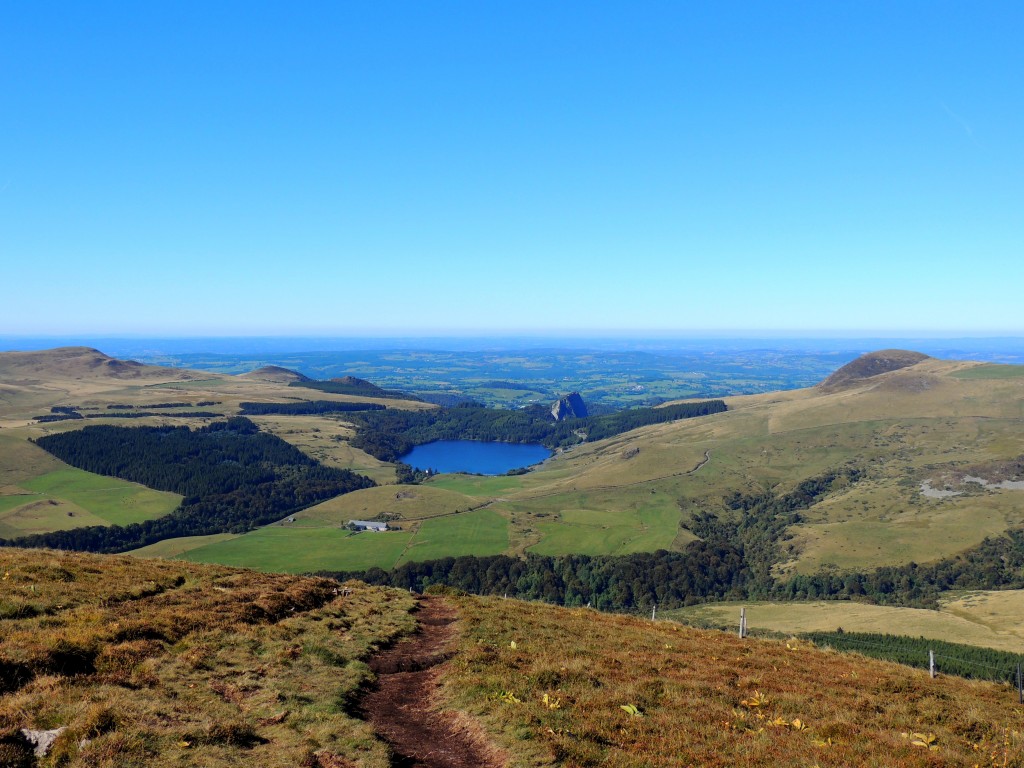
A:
475,456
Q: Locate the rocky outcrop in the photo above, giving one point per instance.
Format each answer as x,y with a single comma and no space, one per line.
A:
569,407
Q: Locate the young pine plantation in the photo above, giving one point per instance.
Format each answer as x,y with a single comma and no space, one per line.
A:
154,663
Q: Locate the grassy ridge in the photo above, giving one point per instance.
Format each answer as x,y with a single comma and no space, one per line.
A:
991,371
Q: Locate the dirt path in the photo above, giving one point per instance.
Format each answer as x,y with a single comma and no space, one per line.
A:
402,708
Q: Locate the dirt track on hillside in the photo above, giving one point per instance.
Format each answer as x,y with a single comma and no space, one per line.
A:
403,707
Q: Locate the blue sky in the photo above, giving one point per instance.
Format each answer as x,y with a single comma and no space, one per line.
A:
405,168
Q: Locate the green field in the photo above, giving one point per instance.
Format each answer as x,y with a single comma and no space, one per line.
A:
293,548
477,485
601,528
300,550
169,548
991,371
409,502
483,532
71,498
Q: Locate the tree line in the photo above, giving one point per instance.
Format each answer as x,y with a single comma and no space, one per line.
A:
354,387
305,407
951,658
232,476
607,582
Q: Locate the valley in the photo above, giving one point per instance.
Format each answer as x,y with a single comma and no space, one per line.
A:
632,492
894,493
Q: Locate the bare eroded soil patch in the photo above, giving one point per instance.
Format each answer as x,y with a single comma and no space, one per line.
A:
404,708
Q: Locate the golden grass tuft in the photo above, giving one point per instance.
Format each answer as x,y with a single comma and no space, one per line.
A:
155,663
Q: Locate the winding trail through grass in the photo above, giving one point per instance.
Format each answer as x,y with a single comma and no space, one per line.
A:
404,708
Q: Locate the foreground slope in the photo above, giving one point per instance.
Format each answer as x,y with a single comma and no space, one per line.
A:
153,663
574,687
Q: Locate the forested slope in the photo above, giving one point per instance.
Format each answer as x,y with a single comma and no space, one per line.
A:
233,478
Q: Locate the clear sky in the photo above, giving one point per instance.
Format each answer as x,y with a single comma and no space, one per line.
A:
444,167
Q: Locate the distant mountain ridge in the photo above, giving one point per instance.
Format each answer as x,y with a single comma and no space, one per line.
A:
81,363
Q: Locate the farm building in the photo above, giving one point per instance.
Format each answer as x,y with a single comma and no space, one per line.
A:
367,525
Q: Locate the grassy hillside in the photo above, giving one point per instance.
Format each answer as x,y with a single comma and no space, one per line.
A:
157,663
153,663
71,498
573,687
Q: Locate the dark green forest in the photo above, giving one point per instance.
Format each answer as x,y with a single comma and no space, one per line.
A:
950,658
305,407
233,478
352,386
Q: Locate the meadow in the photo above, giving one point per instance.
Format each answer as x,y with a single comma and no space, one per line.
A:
71,498
303,548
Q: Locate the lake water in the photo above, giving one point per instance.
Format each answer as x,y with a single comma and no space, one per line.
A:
475,456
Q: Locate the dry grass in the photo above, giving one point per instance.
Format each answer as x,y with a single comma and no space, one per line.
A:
621,691
154,663
985,619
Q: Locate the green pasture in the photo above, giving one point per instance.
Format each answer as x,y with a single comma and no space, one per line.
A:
287,549
918,530
71,498
7,503
171,548
478,485
482,532
990,371
21,460
408,502
43,515
118,502
294,549
643,525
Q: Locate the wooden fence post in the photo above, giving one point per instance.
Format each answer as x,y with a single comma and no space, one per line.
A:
931,663
743,623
